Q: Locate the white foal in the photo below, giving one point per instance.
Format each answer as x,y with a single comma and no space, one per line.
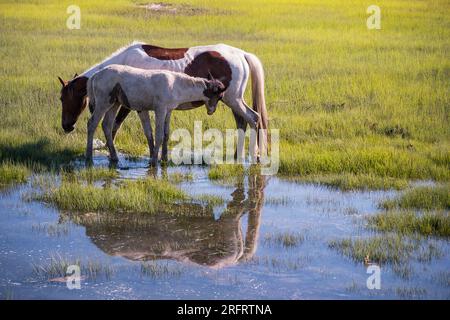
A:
143,90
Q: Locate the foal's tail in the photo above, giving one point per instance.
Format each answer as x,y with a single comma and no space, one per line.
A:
259,101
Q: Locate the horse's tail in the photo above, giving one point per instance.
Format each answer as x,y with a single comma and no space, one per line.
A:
259,101
91,94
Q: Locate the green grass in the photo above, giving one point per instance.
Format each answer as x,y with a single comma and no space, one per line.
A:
160,270
388,248
13,173
285,239
370,104
57,266
426,198
90,174
147,195
349,181
407,222
229,173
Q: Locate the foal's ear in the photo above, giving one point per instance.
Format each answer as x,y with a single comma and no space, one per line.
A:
63,83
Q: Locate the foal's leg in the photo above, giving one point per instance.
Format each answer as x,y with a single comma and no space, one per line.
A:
160,117
92,124
146,125
166,137
107,125
120,117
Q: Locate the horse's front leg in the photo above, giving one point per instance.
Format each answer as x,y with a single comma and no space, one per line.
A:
146,125
91,126
166,137
160,117
107,125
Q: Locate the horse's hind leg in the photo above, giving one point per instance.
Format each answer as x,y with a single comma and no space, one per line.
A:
241,125
120,117
107,126
146,125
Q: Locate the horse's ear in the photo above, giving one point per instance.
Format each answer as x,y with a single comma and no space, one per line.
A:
75,75
63,83
210,76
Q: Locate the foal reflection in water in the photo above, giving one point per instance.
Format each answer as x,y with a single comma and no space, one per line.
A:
200,240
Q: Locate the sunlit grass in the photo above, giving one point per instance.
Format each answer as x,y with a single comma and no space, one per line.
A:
348,181
369,104
13,173
389,248
90,174
408,222
284,239
148,195
426,198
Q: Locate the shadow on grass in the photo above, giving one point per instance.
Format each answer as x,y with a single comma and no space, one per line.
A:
40,154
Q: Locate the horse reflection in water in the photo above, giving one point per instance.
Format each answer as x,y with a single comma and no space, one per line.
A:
195,239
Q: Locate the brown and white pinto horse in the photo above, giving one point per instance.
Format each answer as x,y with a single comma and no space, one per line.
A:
232,66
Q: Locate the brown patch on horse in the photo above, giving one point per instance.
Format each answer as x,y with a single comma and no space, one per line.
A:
210,62
79,85
117,95
164,53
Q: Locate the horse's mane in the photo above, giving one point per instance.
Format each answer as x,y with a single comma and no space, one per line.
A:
116,53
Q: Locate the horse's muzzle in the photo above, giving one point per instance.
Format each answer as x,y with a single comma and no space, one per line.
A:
68,129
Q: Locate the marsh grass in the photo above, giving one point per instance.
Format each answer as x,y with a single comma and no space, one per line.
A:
91,174
388,248
347,100
230,173
210,200
279,264
148,195
285,239
160,270
57,268
426,198
350,181
51,229
179,177
11,173
435,223
278,201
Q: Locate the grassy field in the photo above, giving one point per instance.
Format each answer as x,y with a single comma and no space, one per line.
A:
372,104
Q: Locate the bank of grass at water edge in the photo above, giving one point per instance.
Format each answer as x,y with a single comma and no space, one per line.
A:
148,195
11,173
393,249
421,198
406,222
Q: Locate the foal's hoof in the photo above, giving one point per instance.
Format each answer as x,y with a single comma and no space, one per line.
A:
153,162
89,162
